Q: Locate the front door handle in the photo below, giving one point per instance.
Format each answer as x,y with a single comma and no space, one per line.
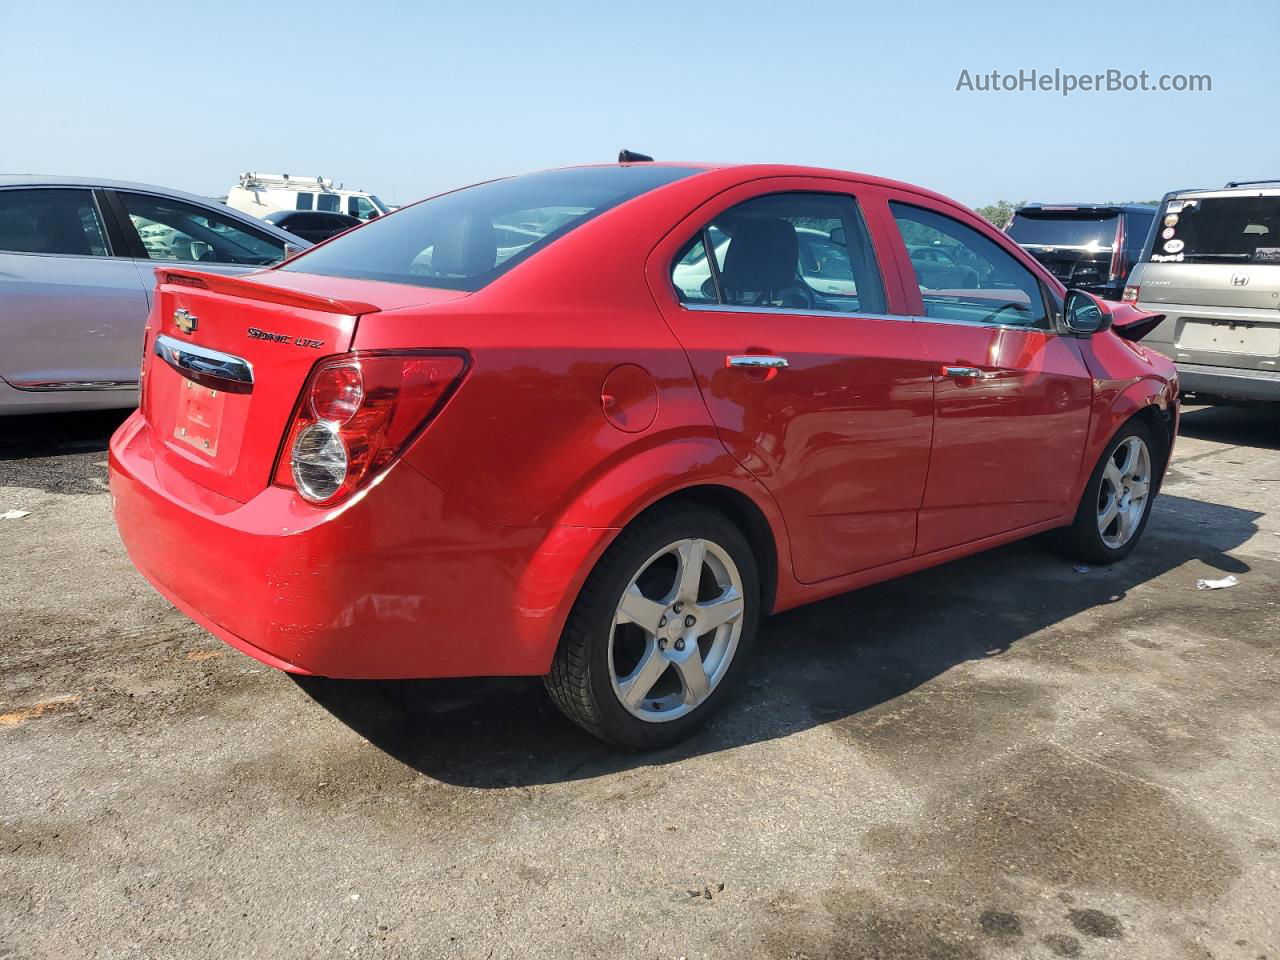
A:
965,373
755,361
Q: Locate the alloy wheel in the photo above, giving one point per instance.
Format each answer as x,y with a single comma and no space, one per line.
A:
676,629
1124,491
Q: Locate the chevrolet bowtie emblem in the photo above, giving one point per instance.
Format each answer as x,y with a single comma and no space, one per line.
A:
185,321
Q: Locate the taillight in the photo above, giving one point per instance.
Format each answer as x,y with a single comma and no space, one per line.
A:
1130,294
357,412
1117,252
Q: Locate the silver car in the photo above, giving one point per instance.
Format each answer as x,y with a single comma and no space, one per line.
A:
77,265
1212,267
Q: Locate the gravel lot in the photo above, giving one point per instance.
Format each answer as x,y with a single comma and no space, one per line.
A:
1003,757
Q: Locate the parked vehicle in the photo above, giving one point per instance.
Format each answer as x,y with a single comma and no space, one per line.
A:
1090,246
259,194
77,260
312,225
1212,267
406,457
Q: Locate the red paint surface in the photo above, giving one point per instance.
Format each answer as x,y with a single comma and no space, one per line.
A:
592,395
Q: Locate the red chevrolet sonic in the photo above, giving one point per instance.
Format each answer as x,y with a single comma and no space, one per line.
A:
589,424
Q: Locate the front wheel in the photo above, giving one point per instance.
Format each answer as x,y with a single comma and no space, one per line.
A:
661,630
1117,500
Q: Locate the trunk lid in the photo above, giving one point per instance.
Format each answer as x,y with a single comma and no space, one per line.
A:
1233,285
1217,314
1074,266
227,357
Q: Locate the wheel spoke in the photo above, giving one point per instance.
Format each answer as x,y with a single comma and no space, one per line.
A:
1131,450
694,675
1109,514
712,615
636,685
1126,525
692,555
640,610
1112,474
1138,489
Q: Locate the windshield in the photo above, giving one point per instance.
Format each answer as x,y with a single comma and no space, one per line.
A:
1064,229
1226,229
466,239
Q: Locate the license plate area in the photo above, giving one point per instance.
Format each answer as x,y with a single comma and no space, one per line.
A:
1225,336
198,423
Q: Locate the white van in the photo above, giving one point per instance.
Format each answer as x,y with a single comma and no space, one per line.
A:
259,194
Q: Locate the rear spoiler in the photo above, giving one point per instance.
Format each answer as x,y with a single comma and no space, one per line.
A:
248,288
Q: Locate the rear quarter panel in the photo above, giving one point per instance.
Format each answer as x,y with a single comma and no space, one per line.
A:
525,437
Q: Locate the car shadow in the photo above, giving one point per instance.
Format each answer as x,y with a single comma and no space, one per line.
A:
61,453
1256,425
51,434
816,664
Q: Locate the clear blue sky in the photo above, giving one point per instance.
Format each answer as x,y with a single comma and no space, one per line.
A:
407,99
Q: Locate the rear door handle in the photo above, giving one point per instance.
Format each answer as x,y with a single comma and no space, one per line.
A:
756,361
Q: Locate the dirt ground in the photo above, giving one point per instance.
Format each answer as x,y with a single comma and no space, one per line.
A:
1003,757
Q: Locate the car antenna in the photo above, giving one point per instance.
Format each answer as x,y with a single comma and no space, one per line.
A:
630,156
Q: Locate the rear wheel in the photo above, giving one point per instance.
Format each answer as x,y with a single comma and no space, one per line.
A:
1117,500
661,630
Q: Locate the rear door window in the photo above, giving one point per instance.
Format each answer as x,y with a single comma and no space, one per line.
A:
329,202
790,251
175,230
64,222
306,201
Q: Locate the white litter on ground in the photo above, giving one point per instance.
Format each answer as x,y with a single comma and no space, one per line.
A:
14,514
1227,581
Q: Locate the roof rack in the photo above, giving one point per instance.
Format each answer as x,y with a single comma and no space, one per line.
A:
1250,183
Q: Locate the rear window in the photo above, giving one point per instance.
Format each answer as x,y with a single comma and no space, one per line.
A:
1218,229
466,239
1065,229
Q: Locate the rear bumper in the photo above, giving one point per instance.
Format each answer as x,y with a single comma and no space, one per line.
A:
400,581
1230,383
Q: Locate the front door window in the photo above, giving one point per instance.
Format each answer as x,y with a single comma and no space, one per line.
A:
964,276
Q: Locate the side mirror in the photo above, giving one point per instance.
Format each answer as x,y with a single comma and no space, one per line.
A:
837,236
1084,314
292,251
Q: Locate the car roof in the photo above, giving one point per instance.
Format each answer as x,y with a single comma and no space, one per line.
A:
745,172
1109,207
1252,188
51,180
282,214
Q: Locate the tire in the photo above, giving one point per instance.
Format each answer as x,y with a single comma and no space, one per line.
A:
1086,540
604,648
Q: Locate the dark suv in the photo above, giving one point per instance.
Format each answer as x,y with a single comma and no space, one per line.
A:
1091,246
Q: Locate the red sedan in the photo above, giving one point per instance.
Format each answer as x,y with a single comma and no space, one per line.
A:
590,424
